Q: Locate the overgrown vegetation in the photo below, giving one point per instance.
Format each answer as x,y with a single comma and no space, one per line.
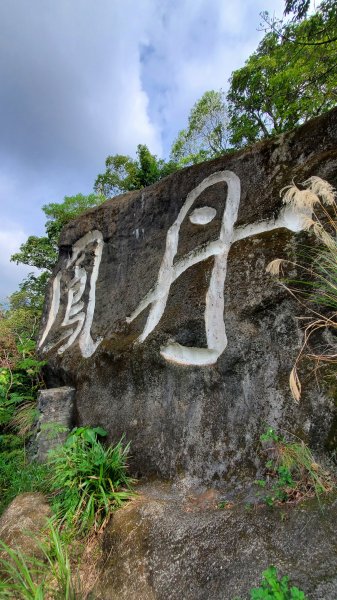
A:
291,472
20,380
85,483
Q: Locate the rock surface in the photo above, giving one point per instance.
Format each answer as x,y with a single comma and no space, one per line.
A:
56,418
166,546
160,314
162,374
23,521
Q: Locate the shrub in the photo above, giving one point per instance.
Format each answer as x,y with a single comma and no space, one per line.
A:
89,481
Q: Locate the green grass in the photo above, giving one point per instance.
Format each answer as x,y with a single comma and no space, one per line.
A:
29,578
17,475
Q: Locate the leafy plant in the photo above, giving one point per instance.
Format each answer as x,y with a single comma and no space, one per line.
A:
292,473
20,380
123,173
89,481
274,588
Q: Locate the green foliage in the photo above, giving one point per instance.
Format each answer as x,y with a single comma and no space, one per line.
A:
16,474
282,86
90,481
289,79
326,12
298,7
60,213
20,380
29,578
292,473
206,135
30,297
274,588
42,252
124,173
37,252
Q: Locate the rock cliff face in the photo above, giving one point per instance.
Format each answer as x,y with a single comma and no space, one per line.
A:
161,315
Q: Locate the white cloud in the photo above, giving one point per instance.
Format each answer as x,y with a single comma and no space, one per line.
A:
83,79
194,47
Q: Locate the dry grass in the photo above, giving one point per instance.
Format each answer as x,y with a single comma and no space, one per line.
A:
317,289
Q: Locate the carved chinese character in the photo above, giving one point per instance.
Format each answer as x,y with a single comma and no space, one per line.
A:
292,217
79,315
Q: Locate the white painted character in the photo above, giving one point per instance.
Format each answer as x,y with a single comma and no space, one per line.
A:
292,216
78,318
169,272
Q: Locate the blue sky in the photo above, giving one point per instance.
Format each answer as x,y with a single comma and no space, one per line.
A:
81,79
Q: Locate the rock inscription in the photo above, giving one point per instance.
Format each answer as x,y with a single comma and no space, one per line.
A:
78,317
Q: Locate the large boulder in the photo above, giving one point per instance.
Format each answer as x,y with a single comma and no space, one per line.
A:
161,315
24,522
168,546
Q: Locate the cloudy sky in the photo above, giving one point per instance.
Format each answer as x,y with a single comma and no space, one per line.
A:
81,79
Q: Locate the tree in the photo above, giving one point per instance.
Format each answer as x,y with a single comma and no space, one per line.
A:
124,174
282,85
320,28
298,7
206,135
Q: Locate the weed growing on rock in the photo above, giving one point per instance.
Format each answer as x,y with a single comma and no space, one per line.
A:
89,481
274,588
292,473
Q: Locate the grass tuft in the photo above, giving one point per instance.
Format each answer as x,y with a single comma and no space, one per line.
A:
89,481
292,474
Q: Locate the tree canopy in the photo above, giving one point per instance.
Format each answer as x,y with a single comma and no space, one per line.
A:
320,28
207,132
282,84
124,174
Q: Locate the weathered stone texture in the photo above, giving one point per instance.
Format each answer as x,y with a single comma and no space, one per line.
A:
23,523
166,547
201,421
56,418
